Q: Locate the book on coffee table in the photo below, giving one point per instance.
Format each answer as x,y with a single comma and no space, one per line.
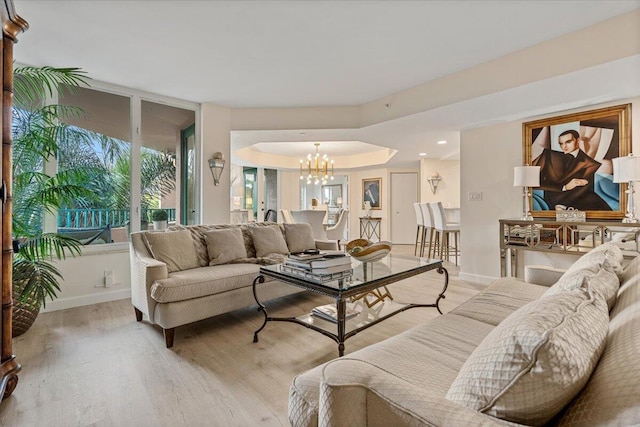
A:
317,263
330,312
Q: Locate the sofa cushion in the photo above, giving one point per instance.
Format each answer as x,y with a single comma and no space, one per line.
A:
200,241
299,237
268,240
225,245
199,282
499,300
532,364
174,248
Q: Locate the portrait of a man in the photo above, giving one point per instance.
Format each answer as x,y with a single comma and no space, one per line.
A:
575,154
567,177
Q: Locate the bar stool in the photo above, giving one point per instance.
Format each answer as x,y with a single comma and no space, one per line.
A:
429,228
444,231
419,230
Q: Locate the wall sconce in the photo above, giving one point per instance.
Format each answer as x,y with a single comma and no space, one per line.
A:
433,181
217,166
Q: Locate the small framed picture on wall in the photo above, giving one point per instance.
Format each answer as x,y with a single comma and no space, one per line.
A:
372,191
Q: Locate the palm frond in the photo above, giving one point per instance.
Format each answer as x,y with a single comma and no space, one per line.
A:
34,84
49,246
40,278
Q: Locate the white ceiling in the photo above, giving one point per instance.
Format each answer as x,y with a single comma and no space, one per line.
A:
311,53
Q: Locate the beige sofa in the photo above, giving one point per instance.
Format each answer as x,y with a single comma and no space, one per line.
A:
175,298
415,378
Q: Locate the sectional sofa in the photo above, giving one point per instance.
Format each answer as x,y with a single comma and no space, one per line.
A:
190,273
558,348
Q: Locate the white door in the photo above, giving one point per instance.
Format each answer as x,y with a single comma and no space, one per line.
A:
404,193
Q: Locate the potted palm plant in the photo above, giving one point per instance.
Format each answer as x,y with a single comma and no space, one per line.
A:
37,131
159,218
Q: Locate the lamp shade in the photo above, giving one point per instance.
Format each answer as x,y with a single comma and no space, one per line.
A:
626,169
526,176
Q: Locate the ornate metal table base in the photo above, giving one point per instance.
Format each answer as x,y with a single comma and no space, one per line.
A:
341,336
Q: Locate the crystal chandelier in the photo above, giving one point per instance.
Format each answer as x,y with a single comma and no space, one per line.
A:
317,170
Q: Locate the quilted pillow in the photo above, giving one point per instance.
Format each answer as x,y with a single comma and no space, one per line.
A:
607,256
534,362
174,248
299,237
268,240
605,284
225,245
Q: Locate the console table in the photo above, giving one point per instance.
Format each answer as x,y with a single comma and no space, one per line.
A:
370,227
567,237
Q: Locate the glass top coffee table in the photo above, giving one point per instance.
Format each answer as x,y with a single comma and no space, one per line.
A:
352,286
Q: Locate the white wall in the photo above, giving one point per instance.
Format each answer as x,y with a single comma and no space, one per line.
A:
448,191
487,158
216,136
84,277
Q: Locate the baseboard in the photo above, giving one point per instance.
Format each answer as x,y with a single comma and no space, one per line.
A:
79,301
476,278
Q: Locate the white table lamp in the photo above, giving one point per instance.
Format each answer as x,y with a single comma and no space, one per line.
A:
627,169
526,176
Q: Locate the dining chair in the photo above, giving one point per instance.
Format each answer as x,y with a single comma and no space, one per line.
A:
313,217
444,232
336,232
286,216
428,231
419,229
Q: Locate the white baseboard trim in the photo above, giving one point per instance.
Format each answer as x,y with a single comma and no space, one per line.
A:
79,301
476,278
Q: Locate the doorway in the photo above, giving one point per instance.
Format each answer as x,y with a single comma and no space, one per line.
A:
404,193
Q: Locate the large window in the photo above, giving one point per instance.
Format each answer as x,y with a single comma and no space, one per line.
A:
117,143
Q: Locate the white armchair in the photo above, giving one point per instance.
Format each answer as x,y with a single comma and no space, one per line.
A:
336,232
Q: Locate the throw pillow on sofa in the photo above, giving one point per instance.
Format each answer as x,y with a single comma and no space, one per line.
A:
534,362
299,237
268,240
605,284
174,248
606,256
225,245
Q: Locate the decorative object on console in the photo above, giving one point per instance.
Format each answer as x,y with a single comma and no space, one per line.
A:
526,176
367,209
627,169
434,181
216,164
569,214
365,250
317,169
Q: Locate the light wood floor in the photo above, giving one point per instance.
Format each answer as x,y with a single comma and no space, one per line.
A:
97,366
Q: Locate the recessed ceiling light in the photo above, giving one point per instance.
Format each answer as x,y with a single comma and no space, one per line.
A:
422,154
442,141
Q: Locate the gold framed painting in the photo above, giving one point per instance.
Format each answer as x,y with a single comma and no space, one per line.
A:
575,153
371,192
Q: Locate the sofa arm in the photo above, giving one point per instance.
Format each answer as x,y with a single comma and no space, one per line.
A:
354,392
145,271
542,275
327,245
